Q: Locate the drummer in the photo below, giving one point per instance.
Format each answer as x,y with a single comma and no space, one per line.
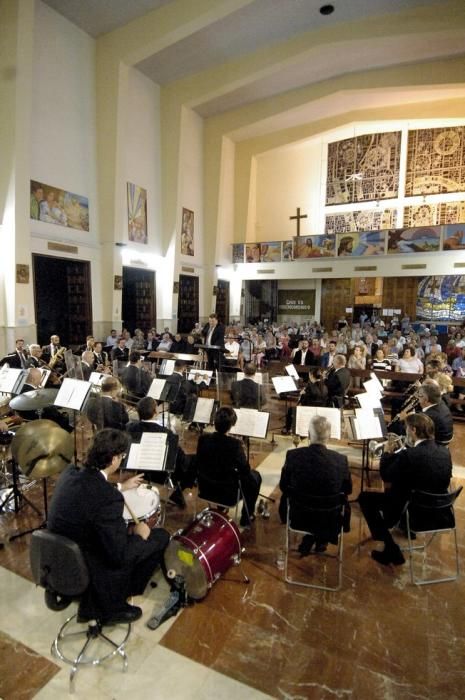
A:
88,509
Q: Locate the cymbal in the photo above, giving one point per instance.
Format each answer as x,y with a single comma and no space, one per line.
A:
33,400
41,448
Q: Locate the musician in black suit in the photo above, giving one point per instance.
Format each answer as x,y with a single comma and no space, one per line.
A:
432,405
120,352
35,354
314,394
213,334
221,458
303,358
182,386
49,352
18,358
316,471
425,466
105,411
135,379
100,357
177,460
337,382
87,364
247,393
89,510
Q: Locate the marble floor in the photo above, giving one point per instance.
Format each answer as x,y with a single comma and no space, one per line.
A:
378,637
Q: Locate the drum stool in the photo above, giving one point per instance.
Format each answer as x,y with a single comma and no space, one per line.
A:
59,567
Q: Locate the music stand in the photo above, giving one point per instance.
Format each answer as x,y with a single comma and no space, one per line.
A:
73,395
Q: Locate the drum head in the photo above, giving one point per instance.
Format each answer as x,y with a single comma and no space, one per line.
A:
142,501
182,559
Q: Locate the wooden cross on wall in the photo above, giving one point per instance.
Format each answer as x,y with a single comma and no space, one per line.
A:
298,217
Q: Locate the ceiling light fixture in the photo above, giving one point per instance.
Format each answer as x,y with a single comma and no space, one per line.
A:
326,9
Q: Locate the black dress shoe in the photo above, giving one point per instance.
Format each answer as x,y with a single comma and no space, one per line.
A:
389,556
305,547
130,613
321,547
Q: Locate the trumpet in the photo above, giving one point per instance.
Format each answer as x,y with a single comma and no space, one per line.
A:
394,442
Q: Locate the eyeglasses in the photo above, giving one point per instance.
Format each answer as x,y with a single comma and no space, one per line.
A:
123,455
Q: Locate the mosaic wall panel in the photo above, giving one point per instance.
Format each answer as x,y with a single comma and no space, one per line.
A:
368,220
434,214
435,161
373,159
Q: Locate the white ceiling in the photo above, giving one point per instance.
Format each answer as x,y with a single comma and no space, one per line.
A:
259,24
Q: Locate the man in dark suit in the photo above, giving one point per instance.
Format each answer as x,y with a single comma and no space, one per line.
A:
18,358
314,471
327,358
432,405
177,461
89,510
35,354
426,467
337,382
134,379
120,351
181,387
247,393
49,352
87,364
213,334
105,411
303,359
221,459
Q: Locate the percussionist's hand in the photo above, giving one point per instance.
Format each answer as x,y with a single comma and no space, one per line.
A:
132,483
143,530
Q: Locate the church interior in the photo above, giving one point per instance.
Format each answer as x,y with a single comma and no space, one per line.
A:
163,160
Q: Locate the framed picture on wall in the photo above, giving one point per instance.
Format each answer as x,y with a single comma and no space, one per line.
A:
118,282
270,252
423,239
238,252
314,246
22,274
187,232
287,248
137,214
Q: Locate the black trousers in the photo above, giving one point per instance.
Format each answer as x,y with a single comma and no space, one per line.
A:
251,488
380,514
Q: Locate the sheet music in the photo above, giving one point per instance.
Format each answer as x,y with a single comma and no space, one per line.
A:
12,379
156,388
96,378
304,415
257,377
203,410
373,389
375,379
200,375
283,385
366,424
251,423
149,454
167,367
72,393
367,400
292,372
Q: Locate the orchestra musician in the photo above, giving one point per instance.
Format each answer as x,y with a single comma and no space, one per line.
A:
302,358
88,509
18,358
120,352
185,388
424,466
134,378
53,352
221,458
182,474
247,393
35,355
337,382
101,363
105,410
315,393
316,471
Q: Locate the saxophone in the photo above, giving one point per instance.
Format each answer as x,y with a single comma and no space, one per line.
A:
57,356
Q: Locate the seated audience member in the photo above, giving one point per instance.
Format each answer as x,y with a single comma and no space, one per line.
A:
337,382
221,458
181,466
134,378
112,339
106,411
409,363
165,343
178,344
247,393
232,346
314,471
424,466
327,358
88,509
246,351
138,342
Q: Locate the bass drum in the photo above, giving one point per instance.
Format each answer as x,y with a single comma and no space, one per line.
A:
204,551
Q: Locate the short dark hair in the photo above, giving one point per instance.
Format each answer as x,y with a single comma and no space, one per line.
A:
423,425
431,391
179,363
250,369
107,443
146,408
109,384
134,356
225,419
